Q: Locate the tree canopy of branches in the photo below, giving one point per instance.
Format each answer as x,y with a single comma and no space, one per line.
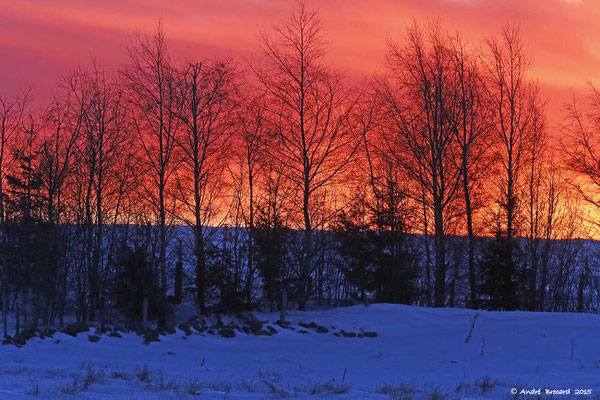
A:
310,115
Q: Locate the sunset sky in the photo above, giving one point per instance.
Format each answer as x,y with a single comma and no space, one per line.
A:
41,39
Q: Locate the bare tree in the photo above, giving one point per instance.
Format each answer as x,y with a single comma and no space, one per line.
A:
309,111
582,131
536,174
559,222
55,153
207,95
514,101
421,103
253,129
96,103
473,139
11,114
152,97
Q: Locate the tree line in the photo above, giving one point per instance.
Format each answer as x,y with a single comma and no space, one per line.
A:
241,185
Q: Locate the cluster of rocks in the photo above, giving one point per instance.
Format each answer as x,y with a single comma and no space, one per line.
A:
314,326
22,338
243,323
72,330
342,333
361,334
75,328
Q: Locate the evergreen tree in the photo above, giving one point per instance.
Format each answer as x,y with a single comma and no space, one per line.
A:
135,279
498,266
356,251
271,240
377,260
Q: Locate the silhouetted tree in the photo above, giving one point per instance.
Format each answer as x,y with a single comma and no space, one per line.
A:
206,109
420,103
152,97
498,267
309,109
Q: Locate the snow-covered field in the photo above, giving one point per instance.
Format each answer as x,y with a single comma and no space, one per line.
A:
418,353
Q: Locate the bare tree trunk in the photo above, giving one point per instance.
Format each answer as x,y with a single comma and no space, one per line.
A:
200,270
510,197
428,290
580,292
5,311
306,261
18,319
162,260
284,300
250,274
145,312
179,274
473,302
440,258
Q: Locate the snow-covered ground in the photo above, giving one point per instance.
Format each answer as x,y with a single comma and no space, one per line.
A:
418,353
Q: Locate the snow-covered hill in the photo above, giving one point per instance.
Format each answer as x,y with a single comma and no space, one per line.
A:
418,353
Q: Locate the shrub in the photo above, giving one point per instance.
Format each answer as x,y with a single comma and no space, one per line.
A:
485,383
142,373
